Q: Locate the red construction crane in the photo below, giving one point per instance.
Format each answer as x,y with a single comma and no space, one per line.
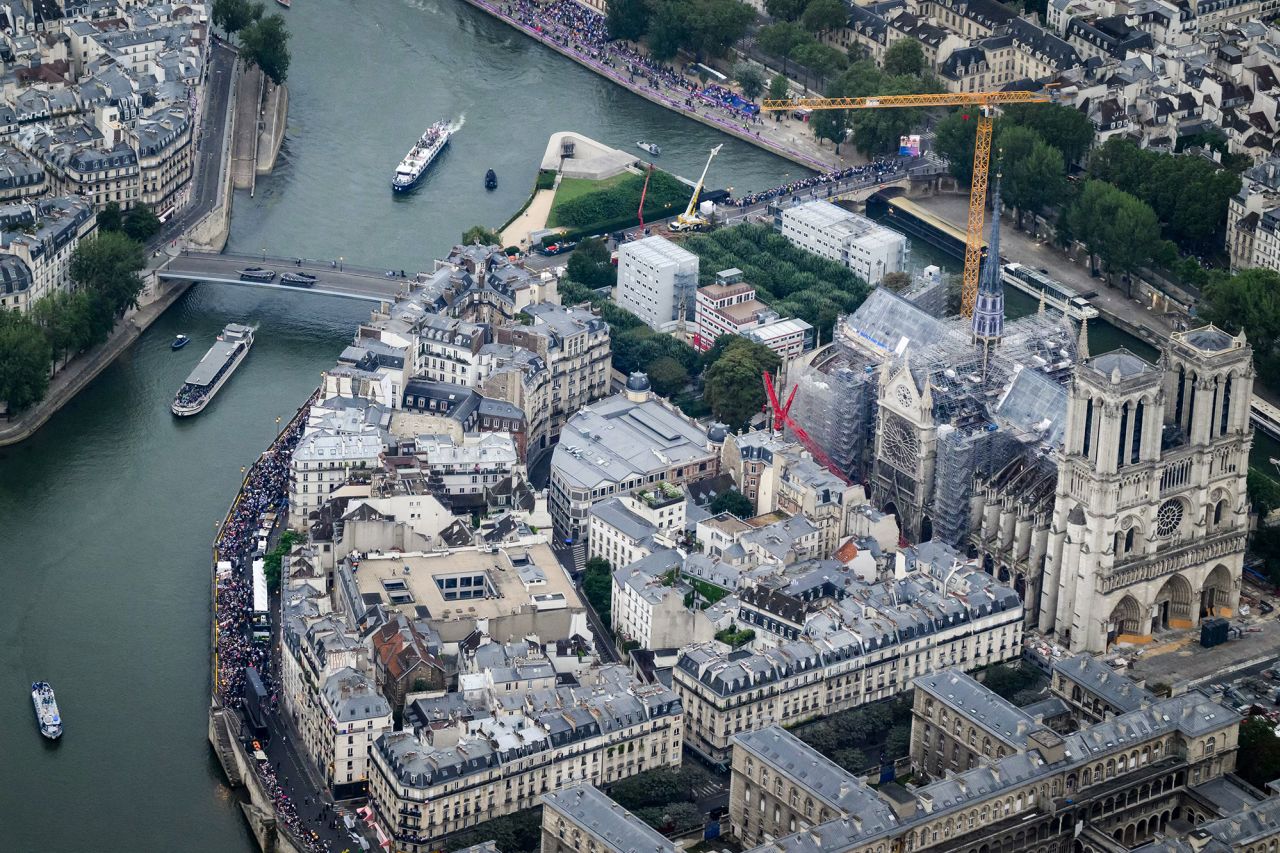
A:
782,418
643,191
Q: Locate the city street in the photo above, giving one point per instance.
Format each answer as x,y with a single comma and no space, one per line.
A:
209,148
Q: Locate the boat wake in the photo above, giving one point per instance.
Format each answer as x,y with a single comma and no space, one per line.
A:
456,126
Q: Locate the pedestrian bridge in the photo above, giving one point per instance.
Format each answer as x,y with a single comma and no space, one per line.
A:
333,277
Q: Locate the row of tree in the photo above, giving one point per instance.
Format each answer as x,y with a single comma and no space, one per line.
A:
704,28
59,325
263,38
1189,195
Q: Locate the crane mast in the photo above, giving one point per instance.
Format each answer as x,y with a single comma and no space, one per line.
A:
690,220
986,103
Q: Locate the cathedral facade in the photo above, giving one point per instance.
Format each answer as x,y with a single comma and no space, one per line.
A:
1150,512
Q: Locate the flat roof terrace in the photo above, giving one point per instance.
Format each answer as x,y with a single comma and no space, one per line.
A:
467,583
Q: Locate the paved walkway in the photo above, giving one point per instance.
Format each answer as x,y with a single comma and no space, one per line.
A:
789,138
533,218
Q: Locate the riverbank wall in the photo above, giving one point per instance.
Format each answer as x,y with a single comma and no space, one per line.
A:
225,732
658,98
275,114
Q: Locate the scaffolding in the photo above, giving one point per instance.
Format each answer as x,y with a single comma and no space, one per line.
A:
988,411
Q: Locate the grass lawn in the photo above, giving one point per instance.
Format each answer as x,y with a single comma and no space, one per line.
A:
571,188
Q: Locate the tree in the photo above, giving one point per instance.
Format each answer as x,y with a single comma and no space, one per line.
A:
1264,492
823,16
1033,174
480,234
898,744
590,265
780,39
25,357
1249,301
954,138
141,223
832,125
904,56
785,10
235,15
733,502
750,80
896,281
822,60
666,30
667,376
265,43
627,19
1115,227
733,386
1065,128
850,759
718,25
1258,759
110,217
597,586
108,265
779,90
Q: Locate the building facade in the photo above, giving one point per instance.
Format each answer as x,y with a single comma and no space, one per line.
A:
657,281
870,250
1151,510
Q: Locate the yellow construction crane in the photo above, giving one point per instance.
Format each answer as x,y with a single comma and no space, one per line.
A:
985,102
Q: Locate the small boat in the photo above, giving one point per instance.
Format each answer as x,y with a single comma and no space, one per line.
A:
284,3
491,180
179,342
256,274
650,147
46,710
298,279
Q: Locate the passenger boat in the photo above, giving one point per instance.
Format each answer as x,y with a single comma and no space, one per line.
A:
490,180
650,147
256,274
298,279
46,706
222,359
179,342
428,147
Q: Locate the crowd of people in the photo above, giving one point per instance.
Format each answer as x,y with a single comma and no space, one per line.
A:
587,32
263,492
880,169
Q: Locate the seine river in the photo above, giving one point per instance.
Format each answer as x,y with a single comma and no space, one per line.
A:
109,510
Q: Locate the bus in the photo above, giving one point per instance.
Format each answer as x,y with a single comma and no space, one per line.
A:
260,620
1056,295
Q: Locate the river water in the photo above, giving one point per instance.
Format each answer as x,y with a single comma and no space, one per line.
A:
110,510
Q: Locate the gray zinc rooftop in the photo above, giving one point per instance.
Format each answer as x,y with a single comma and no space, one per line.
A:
616,828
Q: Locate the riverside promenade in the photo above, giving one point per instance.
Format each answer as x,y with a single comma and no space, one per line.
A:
788,138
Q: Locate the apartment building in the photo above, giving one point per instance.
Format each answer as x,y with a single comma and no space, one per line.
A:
580,819
339,730
486,756
324,460
163,145
576,347
628,527
37,241
729,307
657,281
1113,785
872,643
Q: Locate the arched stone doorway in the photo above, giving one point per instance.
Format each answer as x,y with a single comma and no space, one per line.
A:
1215,595
1126,618
1173,605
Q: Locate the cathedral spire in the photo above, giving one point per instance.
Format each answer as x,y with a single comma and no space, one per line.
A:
988,311
1082,344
